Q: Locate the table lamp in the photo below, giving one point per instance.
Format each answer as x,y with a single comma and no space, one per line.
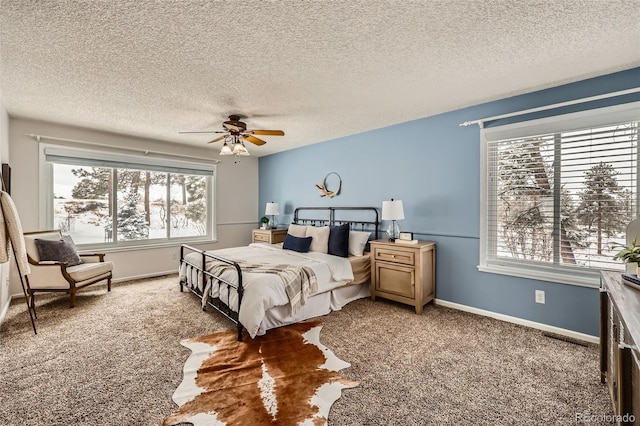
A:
272,210
392,210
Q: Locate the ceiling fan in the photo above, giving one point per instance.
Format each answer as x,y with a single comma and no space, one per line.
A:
235,133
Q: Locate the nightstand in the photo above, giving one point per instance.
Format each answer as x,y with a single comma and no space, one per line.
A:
271,236
403,272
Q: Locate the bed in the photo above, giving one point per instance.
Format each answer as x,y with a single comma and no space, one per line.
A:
263,286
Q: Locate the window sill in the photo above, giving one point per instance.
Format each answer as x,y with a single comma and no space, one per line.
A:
591,280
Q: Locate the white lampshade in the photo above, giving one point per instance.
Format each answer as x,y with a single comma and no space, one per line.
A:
271,209
240,149
226,150
392,210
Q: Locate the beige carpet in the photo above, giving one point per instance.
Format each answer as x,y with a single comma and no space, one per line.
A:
116,359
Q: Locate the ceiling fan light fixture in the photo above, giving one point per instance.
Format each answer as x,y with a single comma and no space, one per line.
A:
240,149
234,133
226,150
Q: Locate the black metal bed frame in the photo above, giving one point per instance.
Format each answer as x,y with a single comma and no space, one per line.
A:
207,277
215,302
332,220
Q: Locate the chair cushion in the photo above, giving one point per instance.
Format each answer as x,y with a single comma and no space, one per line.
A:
62,250
86,271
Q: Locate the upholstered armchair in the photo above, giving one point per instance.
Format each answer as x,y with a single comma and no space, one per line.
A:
69,272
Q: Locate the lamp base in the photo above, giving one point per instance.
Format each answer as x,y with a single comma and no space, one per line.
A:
273,224
393,231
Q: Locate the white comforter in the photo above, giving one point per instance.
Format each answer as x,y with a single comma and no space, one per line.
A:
264,291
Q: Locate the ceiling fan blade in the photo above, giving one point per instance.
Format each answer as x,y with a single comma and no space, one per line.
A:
206,131
267,132
218,139
253,140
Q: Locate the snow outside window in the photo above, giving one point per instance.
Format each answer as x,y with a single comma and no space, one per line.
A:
105,199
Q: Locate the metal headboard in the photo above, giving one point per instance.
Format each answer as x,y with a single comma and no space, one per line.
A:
332,220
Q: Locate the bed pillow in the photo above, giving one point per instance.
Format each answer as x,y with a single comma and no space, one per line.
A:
297,230
63,250
357,242
339,240
299,244
320,235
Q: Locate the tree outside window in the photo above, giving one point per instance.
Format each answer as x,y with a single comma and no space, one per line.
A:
87,205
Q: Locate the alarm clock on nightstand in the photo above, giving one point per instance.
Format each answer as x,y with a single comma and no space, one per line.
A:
406,236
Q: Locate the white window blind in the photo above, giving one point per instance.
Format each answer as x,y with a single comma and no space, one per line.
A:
559,193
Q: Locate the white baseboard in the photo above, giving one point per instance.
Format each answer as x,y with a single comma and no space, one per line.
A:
143,276
507,318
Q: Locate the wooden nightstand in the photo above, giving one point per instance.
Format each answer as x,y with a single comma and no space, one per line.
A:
271,236
405,273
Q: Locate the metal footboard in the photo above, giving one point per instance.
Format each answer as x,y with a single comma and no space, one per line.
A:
198,274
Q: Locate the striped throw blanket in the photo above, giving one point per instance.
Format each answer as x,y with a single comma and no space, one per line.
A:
300,282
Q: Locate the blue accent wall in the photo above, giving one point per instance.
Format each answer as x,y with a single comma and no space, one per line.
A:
433,166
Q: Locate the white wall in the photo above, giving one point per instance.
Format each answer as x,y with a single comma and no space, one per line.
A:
4,158
236,192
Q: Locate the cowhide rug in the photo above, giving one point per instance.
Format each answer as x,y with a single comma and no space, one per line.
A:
286,377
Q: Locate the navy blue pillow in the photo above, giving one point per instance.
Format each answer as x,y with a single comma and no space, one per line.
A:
339,240
299,244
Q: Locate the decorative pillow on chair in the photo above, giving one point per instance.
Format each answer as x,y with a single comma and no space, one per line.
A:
63,250
339,240
299,244
320,236
357,242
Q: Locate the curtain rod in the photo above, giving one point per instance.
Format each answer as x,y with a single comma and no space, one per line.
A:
38,138
546,107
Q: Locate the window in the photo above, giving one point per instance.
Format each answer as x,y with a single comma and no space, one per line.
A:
118,200
559,193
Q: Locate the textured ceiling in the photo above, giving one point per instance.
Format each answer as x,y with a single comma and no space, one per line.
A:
316,69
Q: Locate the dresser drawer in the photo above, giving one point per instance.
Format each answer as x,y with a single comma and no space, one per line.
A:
261,238
395,256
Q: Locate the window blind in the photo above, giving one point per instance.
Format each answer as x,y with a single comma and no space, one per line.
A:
560,191
82,157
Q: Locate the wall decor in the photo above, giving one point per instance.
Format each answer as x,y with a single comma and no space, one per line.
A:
325,191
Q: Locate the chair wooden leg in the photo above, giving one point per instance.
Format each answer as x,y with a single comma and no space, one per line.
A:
72,301
108,284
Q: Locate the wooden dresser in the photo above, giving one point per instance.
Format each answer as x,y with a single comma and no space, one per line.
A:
271,236
403,272
619,338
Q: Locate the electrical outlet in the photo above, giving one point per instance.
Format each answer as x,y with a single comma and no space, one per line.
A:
540,296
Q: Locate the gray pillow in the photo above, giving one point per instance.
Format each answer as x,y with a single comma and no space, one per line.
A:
63,250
